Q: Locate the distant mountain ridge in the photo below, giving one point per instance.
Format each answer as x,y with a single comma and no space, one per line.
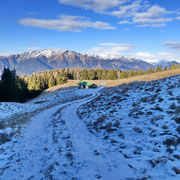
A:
164,63
48,59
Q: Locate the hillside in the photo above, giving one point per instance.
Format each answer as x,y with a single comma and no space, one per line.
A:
129,131
140,123
111,83
48,59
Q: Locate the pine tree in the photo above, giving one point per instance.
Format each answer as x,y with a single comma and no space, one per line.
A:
139,72
159,68
123,75
62,79
22,87
52,81
111,75
12,88
99,74
130,73
92,74
104,74
173,66
151,70
84,74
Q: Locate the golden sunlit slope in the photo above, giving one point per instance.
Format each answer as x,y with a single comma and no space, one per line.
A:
110,83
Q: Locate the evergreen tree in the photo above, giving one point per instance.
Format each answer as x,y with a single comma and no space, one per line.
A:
151,70
175,66
92,74
123,75
52,81
99,74
159,68
84,74
8,87
111,75
62,79
104,74
34,82
22,88
130,73
12,88
139,72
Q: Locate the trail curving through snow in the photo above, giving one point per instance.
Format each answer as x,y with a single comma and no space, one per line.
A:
57,145
99,162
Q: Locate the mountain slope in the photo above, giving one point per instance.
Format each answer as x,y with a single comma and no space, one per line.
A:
48,59
125,132
141,122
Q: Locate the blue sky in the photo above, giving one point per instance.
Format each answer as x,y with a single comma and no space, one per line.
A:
148,30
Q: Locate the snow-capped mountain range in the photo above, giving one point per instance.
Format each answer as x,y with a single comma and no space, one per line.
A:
45,52
48,59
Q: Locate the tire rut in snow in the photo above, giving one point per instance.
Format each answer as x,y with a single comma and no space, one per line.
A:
96,158
49,148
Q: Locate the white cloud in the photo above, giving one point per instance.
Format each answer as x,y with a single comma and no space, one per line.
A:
139,12
151,25
129,9
152,12
172,45
144,55
112,49
116,45
31,48
4,53
153,16
65,23
152,21
112,52
99,6
149,57
126,22
178,18
163,53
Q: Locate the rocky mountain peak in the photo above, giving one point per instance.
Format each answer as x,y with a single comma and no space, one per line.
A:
48,59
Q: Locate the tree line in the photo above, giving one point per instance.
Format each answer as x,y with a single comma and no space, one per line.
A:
46,79
14,88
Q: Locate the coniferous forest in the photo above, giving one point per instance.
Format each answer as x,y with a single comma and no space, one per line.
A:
14,88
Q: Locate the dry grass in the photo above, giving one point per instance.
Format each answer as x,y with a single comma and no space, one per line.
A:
69,84
148,77
110,83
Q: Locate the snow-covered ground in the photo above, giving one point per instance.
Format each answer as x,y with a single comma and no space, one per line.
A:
44,148
128,132
141,123
13,116
8,109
